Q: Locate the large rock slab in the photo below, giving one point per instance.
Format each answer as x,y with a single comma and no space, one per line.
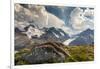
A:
44,54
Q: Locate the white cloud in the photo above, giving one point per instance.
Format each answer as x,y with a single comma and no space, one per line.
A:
89,18
79,21
21,25
54,21
45,19
38,15
89,13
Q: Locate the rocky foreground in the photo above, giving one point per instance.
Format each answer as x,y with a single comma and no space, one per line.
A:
53,53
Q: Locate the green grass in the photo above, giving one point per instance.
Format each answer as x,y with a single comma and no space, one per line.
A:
18,57
78,53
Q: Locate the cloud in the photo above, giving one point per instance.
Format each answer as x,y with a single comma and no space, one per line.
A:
89,13
54,21
36,15
46,19
81,20
78,18
89,18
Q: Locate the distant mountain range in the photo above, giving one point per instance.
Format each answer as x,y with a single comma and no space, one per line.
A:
50,34
53,34
84,38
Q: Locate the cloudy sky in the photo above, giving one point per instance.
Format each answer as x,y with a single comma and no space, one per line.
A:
76,19
72,20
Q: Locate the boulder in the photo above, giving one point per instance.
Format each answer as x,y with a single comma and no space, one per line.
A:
44,54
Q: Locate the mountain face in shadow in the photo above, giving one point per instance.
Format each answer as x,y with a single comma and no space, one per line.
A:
54,35
84,38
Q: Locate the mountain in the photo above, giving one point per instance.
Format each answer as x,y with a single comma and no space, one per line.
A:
68,41
84,38
53,35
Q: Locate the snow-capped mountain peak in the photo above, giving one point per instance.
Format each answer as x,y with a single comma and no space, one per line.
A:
56,35
33,32
62,33
67,42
